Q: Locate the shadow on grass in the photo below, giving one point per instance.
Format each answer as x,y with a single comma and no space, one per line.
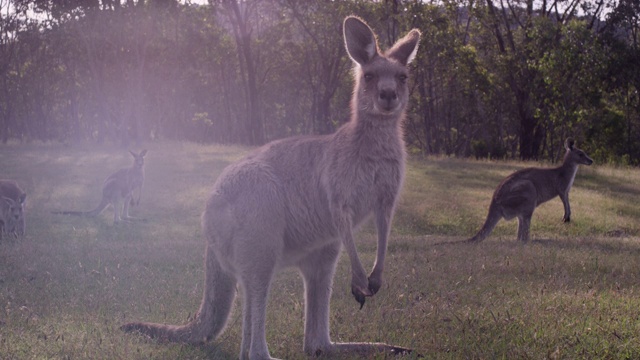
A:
606,246
455,242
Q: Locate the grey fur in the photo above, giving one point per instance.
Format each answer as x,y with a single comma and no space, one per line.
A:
12,199
295,203
118,187
521,192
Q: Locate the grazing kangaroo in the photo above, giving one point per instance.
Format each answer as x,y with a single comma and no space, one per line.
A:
118,186
521,192
295,203
12,198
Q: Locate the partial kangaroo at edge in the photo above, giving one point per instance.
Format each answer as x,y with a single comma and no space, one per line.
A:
295,203
119,186
12,199
521,192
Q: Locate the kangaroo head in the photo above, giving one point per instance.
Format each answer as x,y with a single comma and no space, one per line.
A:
138,159
13,209
381,78
574,154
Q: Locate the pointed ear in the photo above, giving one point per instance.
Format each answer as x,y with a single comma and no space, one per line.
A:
132,153
405,49
22,198
359,40
569,144
143,152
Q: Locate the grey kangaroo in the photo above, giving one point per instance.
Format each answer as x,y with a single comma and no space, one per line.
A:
296,202
521,192
12,199
119,186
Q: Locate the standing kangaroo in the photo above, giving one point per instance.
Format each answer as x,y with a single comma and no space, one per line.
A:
521,192
12,198
118,186
295,203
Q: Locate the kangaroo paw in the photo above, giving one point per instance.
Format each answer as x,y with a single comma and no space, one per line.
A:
358,295
374,284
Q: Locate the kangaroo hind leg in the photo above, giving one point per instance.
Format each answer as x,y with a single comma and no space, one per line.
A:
252,243
125,209
524,224
318,270
125,206
116,211
524,219
255,289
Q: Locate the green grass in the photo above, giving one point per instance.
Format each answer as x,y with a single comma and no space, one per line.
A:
572,292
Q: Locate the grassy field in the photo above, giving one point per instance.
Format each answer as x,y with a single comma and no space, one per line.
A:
572,292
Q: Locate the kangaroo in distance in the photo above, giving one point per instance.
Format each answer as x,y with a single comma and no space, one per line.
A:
12,199
119,186
295,203
521,192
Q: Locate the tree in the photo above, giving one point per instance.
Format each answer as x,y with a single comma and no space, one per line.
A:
514,25
12,21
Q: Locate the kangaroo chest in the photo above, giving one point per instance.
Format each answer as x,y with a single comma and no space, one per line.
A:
365,187
351,195
558,182
125,180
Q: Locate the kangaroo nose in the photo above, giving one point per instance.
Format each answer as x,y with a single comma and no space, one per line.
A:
388,95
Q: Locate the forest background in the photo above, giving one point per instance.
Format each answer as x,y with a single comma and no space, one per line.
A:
493,78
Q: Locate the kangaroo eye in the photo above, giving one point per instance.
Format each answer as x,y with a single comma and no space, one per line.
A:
368,76
402,78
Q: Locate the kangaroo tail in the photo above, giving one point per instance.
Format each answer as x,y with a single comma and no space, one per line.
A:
74,213
212,317
492,220
91,213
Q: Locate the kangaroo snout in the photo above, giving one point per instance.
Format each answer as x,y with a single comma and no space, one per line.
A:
388,99
388,95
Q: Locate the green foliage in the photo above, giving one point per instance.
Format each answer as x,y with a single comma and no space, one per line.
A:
513,75
481,149
607,132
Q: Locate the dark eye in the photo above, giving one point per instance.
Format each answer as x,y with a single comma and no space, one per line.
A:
402,78
368,76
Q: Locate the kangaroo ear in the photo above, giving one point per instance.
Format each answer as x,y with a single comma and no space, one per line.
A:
22,198
143,152
132,153
359,40
8,200
405,49
569,144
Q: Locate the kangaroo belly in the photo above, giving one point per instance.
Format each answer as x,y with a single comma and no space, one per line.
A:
546,193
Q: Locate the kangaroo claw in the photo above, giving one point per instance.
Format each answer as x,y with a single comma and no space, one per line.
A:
360,297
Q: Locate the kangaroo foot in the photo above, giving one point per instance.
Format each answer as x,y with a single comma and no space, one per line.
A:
134,219
364,350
